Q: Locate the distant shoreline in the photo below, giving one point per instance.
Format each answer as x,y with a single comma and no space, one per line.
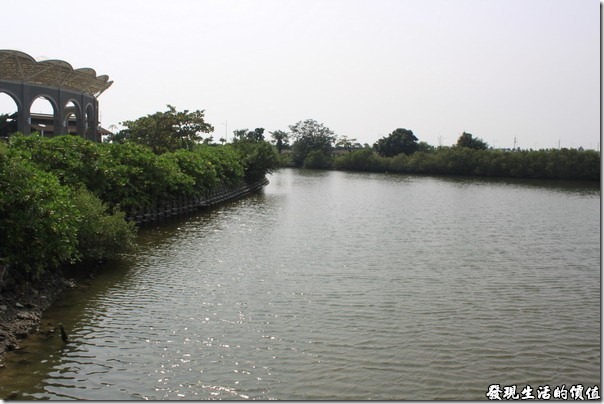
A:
554,164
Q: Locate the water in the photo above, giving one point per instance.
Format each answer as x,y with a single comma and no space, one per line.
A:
330,285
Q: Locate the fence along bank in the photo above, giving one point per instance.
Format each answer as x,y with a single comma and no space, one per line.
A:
183,205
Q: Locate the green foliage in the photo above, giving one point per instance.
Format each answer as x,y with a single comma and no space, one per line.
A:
140,178
74,160
257,135
64,199
281,139
309,135
226,161
258,157
399,141
470,142
134,178
571,164
101,235
44,224
361,160
286,159
344,142
8,126
318,159
38,227
200,170
168,131
425,147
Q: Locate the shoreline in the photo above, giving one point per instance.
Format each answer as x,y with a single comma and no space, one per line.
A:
21,307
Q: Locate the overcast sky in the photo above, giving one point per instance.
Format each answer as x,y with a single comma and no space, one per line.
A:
498,69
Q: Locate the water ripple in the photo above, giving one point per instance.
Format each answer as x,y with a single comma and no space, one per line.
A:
348,286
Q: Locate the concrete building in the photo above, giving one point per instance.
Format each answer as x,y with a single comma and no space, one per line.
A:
72,93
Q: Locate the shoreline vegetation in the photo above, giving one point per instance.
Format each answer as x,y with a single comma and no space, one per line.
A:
65,201
68,204
554,164
315,146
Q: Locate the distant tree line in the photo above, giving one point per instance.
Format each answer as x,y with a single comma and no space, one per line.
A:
316,146
570,164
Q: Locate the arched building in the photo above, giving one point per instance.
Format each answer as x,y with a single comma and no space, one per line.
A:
72,93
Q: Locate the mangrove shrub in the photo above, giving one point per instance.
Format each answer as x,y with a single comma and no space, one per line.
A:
64,199
567,164
38,227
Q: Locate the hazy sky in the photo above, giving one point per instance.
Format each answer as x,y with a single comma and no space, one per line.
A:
498,69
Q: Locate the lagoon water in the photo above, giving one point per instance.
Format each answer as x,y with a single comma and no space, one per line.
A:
332,285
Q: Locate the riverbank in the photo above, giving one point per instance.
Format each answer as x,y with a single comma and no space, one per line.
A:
21,307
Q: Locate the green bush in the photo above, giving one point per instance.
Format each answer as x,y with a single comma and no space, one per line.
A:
201,170
64,199
74,160
571,164
38,227
131,177
318,159
258,157
361,160
101,235
141,179
225,160
44,224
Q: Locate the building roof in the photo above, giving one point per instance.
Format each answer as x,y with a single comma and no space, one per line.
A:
19,66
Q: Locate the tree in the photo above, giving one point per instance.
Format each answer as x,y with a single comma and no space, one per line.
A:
239,134
169,130
310,135
257,155
318,159
281,140
256,135
399,141
425,147
258,158
120,136
468,141
345,143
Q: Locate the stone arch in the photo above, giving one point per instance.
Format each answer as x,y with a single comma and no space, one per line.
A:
24,95
73,107
14,97
91,122
42,127
8,114
44,97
